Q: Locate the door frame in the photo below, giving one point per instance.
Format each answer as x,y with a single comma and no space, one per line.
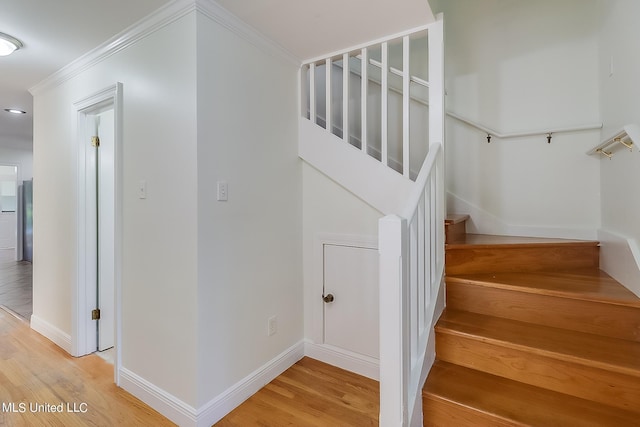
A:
83,328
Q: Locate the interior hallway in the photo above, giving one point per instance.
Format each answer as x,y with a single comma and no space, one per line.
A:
16,284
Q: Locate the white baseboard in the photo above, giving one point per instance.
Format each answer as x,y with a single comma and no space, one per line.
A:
185,415
46,329
353,362
221,405
483,222
620,259
168,405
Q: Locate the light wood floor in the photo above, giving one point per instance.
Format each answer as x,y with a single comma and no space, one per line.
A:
34,371
310,393
16,288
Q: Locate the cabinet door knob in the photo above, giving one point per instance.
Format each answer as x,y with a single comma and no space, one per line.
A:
328,298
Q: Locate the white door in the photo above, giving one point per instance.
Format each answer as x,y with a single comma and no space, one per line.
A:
351,319
106,229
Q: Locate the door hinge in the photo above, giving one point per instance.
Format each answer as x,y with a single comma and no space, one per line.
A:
95,314
95,141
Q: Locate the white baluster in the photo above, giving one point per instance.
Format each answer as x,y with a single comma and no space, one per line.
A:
364,92
328,95
345,97
406,97
312,93
384,103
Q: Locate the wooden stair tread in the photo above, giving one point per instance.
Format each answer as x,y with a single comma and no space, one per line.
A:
516,403
487,240
584,284
455,218
613,354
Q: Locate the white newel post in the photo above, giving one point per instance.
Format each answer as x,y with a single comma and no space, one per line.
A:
393,322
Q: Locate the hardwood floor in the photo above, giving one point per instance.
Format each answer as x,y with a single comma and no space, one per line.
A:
310,393
37,377
16,286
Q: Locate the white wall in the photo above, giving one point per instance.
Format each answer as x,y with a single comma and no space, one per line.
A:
519,66
328,210
249,247
620,105
159,276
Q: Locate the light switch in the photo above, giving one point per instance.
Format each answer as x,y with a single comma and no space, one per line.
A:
223,191
142,189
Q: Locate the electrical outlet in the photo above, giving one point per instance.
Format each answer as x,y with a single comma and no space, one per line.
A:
272,325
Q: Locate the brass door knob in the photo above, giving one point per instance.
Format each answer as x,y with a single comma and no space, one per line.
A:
327,298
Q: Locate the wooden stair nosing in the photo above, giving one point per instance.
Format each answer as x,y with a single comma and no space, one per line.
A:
487,241
517,403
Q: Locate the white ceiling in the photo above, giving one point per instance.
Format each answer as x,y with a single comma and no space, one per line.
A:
310,28
55,33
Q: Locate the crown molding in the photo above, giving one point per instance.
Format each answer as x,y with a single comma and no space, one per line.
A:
212,10
155,21
151,23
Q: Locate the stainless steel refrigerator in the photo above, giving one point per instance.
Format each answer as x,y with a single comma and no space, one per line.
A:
25,223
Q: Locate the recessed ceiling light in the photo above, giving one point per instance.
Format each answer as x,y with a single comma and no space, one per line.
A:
8,44
14,111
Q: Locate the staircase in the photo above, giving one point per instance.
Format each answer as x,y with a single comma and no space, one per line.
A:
534,334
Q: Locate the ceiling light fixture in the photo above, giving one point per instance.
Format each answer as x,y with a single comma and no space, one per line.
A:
14,111
8,44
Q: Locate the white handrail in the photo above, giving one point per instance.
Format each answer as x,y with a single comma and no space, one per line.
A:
367,44
397,72
421,180
502,135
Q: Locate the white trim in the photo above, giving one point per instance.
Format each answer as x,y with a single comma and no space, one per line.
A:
379,186
484,222
620,258
344,359
46,329
221,405
168,405
155,21
109,97
208,414
212,10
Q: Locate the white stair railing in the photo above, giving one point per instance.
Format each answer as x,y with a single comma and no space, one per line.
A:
411,247
320,99
411,236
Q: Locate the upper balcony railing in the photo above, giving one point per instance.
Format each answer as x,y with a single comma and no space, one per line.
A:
364,96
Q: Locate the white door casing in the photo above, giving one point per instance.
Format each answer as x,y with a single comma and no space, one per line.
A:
104,106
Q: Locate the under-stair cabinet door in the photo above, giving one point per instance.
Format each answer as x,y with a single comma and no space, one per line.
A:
351,299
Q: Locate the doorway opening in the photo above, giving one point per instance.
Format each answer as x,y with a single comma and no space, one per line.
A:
97,316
